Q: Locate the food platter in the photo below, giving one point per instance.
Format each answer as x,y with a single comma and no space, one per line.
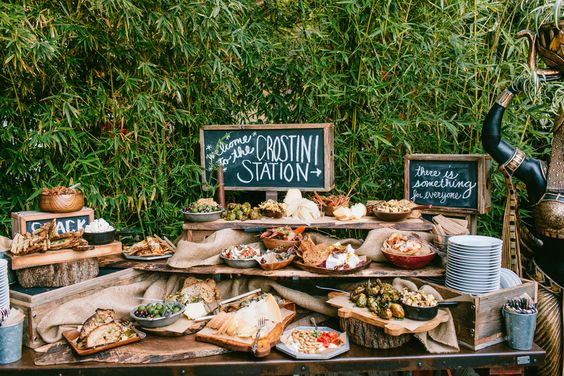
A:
323,355
72,335
321,270
347,309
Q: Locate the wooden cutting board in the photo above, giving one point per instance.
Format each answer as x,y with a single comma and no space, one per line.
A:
245,344
392,327
63,255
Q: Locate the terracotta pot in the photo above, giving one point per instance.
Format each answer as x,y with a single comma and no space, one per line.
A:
61,203
282,245
409,262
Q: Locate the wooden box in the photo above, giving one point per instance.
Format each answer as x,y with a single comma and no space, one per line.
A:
36,303
478,319
27,221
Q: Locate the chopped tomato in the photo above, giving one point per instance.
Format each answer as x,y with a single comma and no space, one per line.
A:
327,338
300,229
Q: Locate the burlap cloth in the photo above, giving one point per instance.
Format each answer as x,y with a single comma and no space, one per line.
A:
157,286
189,254
443,338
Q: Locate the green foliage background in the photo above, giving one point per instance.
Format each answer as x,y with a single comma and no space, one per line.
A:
111,93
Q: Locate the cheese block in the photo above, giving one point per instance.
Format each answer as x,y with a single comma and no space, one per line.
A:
194,311
245,321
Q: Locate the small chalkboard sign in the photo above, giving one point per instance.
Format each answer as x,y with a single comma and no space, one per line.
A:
452,182
269,157
29,221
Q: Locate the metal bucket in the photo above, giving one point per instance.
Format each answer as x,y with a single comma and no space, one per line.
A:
520,329
11,342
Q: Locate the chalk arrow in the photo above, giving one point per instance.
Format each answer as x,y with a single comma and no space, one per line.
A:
317,172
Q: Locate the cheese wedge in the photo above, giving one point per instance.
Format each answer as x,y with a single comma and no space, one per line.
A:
194,311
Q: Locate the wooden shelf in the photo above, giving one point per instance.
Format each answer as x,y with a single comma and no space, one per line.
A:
63,255
374,270
367,223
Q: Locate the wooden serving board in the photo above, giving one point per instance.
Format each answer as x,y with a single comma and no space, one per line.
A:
72,335
348,309
245,344
63,255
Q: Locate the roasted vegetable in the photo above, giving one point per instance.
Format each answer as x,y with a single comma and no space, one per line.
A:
397,310
382,299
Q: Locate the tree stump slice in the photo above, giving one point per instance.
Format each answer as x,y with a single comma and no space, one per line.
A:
58,275
371,336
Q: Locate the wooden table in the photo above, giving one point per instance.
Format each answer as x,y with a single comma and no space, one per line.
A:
374,270
411,356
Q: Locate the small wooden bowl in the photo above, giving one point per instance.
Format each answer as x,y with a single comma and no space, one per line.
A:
282,245
272,214
409,261
277,265
61,203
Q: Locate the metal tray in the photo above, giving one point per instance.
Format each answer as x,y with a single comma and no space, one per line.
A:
147,258
328,354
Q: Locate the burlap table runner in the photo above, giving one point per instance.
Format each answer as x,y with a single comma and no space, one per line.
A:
443,338
156,286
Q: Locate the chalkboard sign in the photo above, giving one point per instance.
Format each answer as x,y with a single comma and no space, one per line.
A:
454,182
270,157
29,221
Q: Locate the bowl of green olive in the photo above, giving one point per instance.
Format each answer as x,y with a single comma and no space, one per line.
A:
158,314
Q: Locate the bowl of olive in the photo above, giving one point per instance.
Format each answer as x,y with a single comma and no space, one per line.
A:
203,210
241,212
158,314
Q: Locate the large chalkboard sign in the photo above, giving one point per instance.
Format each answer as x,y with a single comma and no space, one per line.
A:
452,182
270,157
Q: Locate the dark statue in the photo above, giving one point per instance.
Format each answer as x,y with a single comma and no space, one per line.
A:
544,260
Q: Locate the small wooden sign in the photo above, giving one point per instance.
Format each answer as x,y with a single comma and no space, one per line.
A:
28,221
270,157
457,183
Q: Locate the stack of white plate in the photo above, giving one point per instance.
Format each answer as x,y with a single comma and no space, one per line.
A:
473,263
508,278
4,285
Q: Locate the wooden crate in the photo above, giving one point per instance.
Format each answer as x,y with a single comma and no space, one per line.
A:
37,303
478,319
27,221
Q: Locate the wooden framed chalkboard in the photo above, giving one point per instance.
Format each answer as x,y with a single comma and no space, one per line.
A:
450,182
28,221
270,157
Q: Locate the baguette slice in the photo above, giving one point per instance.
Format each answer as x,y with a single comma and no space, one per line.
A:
101,317
107,334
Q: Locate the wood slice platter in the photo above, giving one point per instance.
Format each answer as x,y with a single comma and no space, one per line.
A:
245,344
348,309
153,349
63,255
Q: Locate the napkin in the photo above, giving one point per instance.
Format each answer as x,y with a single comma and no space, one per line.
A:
443,338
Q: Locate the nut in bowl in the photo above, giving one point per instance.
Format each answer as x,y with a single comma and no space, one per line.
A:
157,315
408,252
60,200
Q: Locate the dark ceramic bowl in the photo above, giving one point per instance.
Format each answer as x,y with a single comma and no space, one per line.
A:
99,238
